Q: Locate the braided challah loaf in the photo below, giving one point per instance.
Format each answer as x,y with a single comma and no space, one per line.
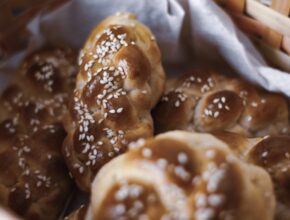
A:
34,181
181,176
206,101
119,82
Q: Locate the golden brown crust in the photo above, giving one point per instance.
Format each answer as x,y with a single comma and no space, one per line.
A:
181,175
273,154
34,181
120,80
207,101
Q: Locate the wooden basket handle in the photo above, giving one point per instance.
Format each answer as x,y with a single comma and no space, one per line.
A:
273,37
269,24
233,6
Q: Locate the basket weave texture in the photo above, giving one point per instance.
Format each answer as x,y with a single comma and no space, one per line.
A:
267,24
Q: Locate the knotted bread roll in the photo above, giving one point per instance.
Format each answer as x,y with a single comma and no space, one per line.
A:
34,181
119,82
206,101
181,176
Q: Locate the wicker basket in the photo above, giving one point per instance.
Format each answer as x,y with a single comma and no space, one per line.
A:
267,25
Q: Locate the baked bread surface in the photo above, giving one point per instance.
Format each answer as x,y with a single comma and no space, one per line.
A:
207,101
34,181
181,175
272,154
120,80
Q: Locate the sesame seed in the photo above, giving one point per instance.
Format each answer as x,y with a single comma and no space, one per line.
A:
216,200
165,99
216,100
181,173
120,209
201,200
254,104
146,152
162,163
210,154
137,144
231,158
112,111
285,169
215,179
216,114
205,214
265,154
119,110
182,158
81,170
196,180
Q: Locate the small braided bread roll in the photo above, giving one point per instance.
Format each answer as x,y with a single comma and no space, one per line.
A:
34,181
207,101
181,176
119,82
271,153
